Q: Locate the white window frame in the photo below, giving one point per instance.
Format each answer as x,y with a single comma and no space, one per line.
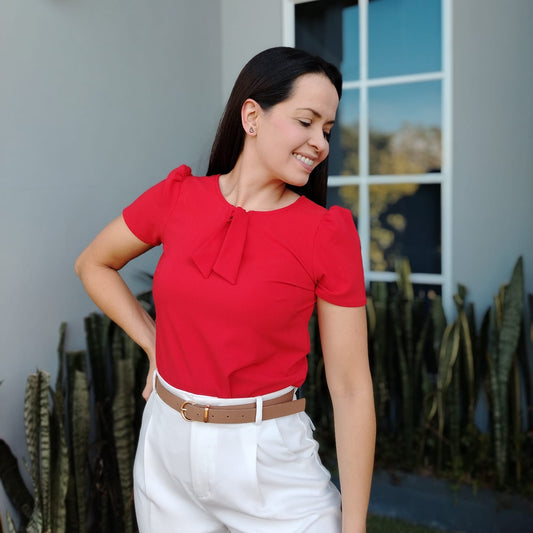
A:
364,180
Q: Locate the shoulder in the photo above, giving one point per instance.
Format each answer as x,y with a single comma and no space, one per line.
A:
330,219
338,218
182,182
178,175
336,230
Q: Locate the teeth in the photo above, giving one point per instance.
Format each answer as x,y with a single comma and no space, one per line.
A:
303,159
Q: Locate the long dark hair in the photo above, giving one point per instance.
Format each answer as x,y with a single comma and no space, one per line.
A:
268,78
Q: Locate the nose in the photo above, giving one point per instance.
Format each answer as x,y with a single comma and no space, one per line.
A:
319,142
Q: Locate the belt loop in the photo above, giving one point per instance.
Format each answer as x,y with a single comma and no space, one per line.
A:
258,409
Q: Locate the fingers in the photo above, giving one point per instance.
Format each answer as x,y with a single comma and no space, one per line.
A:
149,387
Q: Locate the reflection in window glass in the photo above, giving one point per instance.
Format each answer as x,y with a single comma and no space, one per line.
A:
404,37
345,196
344,145
405,128
319,29
350,43
405,222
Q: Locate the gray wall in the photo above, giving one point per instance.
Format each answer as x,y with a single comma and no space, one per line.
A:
248,26
492,144
98,100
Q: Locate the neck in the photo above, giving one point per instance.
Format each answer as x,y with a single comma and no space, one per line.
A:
250,189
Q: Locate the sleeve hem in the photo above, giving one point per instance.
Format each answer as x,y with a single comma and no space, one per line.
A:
359,301
134,230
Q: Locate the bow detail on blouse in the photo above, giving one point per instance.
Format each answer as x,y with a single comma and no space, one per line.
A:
222,252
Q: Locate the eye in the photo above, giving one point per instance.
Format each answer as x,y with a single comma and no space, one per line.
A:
327,135
304,123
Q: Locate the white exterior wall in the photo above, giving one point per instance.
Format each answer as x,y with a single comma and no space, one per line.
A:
492,144
98,101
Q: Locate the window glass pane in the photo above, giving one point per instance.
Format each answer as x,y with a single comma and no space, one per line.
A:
344,145
350,43
404,37
319,29
405,221
345,196
405,128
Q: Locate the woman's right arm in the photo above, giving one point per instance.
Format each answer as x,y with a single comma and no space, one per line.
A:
98,267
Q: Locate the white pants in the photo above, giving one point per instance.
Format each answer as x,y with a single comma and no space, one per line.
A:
261,477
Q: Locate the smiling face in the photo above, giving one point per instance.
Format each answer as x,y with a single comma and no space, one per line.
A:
292,137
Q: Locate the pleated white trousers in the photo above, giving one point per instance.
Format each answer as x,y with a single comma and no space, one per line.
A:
261,477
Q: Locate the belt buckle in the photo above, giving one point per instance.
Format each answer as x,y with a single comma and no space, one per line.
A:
183,411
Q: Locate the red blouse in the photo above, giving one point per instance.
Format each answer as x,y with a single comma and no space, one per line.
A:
234,289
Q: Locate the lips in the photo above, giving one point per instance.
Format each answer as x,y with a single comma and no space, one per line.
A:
305,160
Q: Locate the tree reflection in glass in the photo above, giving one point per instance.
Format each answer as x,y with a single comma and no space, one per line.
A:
405,129
405,222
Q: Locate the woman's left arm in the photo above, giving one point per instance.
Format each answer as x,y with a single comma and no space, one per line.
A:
343,335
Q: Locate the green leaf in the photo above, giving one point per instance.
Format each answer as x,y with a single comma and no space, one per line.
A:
10,524
438,319
31,425
14,486
60,463
80,442
123,418
36,522
44,415
511,322
403,272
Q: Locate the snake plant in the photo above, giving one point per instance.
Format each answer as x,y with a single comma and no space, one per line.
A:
506,322
81,438
428,375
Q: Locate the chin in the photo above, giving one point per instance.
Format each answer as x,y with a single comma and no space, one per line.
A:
298,182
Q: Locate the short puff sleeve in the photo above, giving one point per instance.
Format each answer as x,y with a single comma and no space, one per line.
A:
147,216
337,260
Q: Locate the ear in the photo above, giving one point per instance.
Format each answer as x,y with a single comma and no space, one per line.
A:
250,112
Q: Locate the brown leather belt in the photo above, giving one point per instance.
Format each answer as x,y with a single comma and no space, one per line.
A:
230,414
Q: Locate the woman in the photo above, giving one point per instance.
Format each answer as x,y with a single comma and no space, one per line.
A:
247,254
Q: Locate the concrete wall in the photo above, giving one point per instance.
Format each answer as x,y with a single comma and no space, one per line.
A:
98,101
247,27
492,144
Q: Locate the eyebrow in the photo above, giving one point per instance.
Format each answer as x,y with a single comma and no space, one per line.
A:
315,113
